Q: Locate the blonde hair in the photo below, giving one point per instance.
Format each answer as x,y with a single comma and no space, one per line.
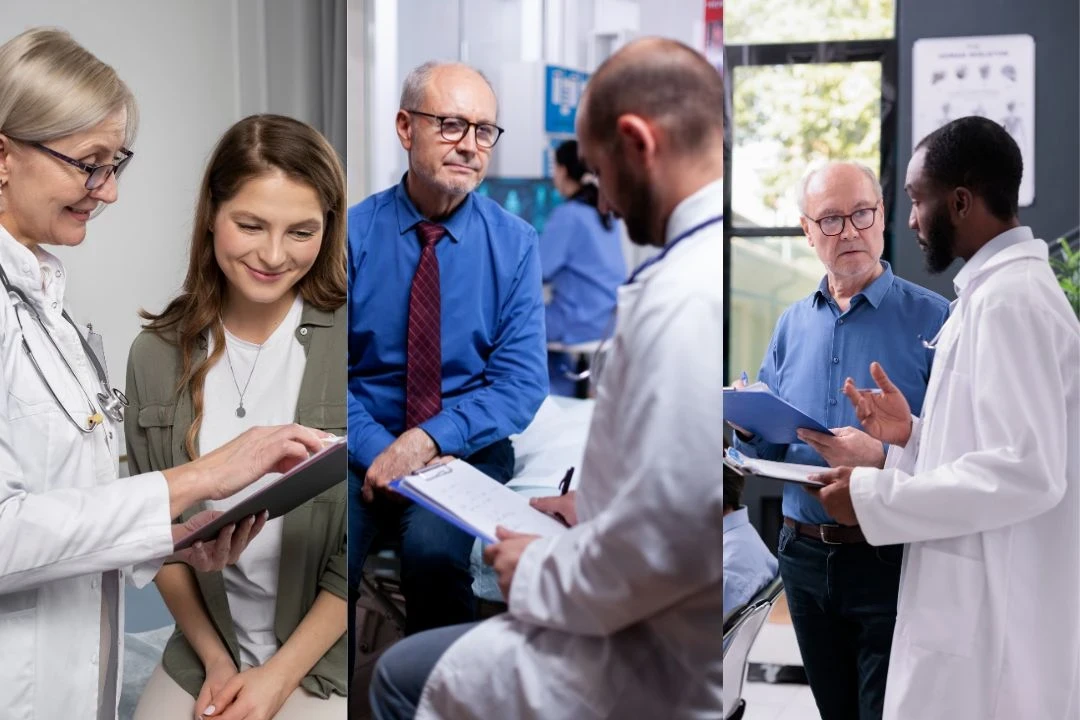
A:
52,87
252,148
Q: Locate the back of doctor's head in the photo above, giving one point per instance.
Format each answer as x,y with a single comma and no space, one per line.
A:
52,87
664,81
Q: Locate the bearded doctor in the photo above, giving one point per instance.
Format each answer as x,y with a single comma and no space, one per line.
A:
985,487
621,616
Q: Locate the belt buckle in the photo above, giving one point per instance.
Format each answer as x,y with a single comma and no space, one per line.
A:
821,533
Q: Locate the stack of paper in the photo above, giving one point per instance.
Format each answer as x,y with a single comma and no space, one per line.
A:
788,472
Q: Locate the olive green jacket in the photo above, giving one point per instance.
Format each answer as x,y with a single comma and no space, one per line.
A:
313,554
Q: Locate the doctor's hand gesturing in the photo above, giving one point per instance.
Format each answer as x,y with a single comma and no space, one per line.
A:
835,497
886,416
504,555
846,446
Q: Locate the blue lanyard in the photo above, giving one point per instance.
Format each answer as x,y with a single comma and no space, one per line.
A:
667,248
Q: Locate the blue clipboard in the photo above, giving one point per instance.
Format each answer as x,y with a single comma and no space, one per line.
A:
768,416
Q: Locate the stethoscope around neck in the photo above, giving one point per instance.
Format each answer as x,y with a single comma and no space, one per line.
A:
111,401
596,363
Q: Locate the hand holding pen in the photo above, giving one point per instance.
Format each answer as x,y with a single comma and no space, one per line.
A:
560,506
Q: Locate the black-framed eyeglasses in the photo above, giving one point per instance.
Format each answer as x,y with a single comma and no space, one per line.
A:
834,224
97,175
453,129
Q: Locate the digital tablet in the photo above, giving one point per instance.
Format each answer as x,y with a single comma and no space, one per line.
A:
317,474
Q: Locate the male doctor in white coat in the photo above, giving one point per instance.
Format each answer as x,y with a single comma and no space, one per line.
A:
985,487
621,616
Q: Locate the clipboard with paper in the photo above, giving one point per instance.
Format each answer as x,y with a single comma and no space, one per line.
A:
474,502
762,412
773,470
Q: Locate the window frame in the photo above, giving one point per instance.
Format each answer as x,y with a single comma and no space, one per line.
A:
883,51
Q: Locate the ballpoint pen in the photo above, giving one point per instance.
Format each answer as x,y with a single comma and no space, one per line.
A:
564,484
745,378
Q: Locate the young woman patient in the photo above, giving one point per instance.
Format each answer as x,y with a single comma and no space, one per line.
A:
256,337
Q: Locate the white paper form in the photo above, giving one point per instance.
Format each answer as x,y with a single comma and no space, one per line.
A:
474,502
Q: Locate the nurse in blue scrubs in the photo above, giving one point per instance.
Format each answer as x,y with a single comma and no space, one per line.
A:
583,263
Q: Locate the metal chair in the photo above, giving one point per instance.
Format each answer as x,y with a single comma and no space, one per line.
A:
741,629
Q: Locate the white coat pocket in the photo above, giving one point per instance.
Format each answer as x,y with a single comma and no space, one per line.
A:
945,603
17,674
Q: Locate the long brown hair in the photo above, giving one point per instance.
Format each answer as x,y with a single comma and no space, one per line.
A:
251,148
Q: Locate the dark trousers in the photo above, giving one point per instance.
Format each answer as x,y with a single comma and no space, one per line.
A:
842,600
435,577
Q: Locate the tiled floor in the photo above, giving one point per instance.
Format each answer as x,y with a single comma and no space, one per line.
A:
776,645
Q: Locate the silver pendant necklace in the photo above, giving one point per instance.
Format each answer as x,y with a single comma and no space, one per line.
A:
240,411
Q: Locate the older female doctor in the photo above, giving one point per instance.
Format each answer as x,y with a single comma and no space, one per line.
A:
67,523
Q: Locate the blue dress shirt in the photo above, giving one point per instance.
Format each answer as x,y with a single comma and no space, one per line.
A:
584,263
815,347
494,367
748,564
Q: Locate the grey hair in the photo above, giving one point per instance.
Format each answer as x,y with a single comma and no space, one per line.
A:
414,89
805,182
52,87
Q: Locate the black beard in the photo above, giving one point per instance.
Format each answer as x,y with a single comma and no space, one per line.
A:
940,243
639,208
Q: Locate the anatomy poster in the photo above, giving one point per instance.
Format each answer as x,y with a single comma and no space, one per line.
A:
992,76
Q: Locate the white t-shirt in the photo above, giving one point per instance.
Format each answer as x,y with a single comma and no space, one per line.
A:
276,371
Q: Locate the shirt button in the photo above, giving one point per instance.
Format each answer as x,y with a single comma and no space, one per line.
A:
303,331
54,306
59,274
94,583
93,659
835,360
840,321
26,268
832,401
110,434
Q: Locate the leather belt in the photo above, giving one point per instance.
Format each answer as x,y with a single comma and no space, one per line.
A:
828,534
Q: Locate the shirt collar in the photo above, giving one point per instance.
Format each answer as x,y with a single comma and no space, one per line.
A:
409,217
736,519
707,202
23,267
874,292
983,255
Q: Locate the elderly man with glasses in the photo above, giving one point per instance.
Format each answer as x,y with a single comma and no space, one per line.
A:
842,592
447,353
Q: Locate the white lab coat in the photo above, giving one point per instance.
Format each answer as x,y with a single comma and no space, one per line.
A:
987,496
622,616
65,519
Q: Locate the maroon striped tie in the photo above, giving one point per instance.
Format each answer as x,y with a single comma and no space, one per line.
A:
423,358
